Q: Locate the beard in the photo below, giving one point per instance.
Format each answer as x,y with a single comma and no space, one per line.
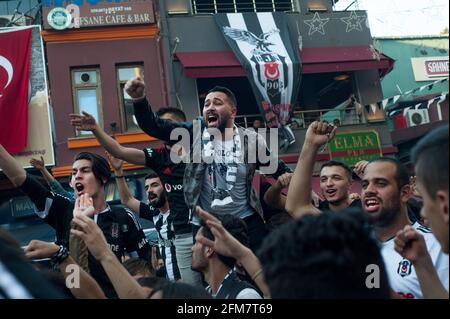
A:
387,215
160,202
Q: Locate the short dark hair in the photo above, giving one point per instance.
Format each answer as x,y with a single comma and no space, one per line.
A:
347,169
323,256
179,114
401,172
137,265
100,166
430,157
230,95
151,174
236,227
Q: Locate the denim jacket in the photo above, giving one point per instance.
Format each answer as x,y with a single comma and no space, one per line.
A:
194,174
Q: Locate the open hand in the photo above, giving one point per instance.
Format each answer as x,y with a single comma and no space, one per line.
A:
83,122
115,163
84,205
38,164
359,168
224,243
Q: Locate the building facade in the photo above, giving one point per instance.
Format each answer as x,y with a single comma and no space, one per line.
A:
420,79
93,47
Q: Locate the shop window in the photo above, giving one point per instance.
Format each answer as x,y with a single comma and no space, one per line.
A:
217,6
86,94
124,73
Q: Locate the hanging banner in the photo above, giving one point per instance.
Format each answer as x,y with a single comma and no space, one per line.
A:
39,141
262,45
14,86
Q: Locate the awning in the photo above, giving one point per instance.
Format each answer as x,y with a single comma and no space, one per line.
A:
314,60
338,59
210,64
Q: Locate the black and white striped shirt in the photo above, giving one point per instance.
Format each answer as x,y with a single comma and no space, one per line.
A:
166,236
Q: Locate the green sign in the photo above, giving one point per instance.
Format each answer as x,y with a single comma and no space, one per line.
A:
353,147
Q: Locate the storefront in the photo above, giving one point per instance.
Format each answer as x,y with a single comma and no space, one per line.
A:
92,49
337,62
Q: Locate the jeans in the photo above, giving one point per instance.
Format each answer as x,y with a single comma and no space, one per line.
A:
183,245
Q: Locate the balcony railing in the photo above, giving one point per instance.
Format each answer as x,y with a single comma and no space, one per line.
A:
302,119
234,6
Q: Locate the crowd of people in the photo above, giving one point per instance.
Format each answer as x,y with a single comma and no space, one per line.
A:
216,237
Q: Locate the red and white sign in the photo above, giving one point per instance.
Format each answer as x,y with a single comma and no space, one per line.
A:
436,67
430,68
14,85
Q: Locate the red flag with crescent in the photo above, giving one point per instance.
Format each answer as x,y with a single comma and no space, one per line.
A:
15,47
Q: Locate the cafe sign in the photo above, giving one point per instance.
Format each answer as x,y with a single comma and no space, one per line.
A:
75,14
353,147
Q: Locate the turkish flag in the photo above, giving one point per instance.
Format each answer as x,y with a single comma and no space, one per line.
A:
15,48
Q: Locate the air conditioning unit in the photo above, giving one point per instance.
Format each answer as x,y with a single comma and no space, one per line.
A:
417,117
12,20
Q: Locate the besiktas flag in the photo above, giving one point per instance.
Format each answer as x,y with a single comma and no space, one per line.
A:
262,45
15,46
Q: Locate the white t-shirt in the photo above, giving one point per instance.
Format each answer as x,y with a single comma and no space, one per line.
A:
248,293
401,273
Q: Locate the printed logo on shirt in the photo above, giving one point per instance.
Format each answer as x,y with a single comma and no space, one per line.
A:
167,171
115,230
150,152
142,243
124,228
404,268
169,187
114,248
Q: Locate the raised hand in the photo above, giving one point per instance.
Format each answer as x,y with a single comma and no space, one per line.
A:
135,88
38,249
84,205
83,122
284,180
410,244
414,189
38,164
319,133
115,163
354,196
224,243
360,167
87,230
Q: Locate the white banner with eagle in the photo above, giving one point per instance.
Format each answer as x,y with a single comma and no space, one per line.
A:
262,45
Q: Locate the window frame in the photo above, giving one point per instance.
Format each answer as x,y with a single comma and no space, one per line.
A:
97,87
123,120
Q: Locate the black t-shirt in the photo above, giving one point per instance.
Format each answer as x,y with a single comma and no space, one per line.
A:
120,227
171,176
324,205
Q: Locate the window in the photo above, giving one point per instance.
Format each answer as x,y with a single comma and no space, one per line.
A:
86,94
219,6
124,73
